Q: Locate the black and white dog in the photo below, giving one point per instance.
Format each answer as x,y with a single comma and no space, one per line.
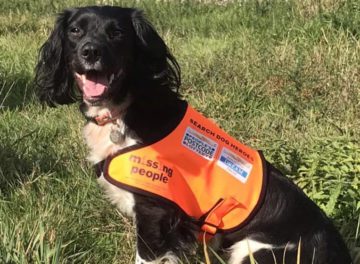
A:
128,81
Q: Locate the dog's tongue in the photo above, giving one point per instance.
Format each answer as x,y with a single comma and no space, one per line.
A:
94,84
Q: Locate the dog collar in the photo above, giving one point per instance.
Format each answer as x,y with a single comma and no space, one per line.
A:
108,117
102,120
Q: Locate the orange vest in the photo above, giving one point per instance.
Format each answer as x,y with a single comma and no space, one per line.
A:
212,177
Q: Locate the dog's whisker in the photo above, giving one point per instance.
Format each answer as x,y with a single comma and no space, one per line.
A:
119,73
111,79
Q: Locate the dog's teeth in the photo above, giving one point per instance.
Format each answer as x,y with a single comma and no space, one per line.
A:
111,78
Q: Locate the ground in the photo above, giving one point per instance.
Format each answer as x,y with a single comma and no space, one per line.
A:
281,76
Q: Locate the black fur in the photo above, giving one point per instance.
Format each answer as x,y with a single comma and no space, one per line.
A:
151,76
138,50
54,80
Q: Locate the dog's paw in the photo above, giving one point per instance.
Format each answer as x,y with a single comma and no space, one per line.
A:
139,260
168,258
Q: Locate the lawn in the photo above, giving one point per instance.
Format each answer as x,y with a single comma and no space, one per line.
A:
281,76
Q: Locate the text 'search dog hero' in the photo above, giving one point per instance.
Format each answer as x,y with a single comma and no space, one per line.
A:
160,161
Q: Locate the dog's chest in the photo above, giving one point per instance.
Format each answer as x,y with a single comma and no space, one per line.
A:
100,147
98,139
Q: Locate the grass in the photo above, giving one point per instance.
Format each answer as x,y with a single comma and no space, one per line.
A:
282,76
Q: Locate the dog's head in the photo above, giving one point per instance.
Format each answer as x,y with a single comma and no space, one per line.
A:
108,52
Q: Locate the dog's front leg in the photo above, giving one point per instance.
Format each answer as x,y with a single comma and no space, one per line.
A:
151,252
154,235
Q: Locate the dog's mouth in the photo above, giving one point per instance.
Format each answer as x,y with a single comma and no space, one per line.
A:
95,84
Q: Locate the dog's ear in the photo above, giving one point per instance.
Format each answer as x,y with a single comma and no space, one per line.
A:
52,75
153,58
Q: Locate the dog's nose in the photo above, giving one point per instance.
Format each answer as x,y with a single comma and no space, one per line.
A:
90,52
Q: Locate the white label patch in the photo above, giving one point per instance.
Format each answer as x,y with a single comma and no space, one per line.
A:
234,165
199,144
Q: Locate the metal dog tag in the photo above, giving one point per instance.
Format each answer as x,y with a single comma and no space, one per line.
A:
116,136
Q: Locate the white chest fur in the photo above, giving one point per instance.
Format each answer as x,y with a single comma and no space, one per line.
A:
100,147
99,143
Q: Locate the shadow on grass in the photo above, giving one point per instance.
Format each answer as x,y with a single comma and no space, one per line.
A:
16,90
345,18
284,157
20,163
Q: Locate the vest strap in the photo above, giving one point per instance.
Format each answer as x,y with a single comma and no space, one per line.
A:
215,216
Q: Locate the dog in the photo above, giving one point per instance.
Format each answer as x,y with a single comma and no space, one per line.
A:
112,60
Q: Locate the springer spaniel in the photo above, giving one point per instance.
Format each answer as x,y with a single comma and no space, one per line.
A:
114,62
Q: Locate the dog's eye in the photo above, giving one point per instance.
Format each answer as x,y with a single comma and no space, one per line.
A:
114,33
75,30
